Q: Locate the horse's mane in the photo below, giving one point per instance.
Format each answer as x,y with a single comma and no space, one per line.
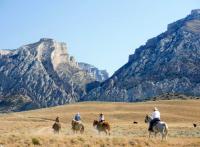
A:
149,116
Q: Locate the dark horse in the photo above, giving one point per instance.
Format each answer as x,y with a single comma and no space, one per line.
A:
102,126
77,126
56,126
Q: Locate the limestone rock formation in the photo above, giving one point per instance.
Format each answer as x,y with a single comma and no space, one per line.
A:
168,63
99,75
38,75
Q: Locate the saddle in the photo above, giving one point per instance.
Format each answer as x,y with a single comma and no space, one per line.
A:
155,123
152,124
75,124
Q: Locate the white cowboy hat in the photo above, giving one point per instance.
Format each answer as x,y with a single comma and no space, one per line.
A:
155,109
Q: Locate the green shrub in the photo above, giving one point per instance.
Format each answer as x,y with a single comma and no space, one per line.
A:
35,141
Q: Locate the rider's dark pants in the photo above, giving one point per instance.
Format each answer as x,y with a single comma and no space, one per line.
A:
152,123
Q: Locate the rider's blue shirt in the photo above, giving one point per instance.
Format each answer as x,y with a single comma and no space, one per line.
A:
77,117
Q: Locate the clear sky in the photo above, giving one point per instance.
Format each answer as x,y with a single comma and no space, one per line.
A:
99,32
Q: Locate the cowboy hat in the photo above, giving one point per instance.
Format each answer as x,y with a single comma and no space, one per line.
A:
155,109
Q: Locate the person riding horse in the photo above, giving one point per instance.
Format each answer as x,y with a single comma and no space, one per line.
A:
101,117
101,125
77,117
56,126
77,124
155,118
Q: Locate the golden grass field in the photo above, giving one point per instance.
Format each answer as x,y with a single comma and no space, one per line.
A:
20,129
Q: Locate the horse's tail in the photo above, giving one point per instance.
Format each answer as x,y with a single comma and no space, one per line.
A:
165,130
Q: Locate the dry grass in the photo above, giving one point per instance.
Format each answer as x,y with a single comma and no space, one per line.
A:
34,127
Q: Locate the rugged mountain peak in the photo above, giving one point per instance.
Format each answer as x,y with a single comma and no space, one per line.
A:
46,40
168,63
99,75
191,23
195,12
40,74
5,52
50,50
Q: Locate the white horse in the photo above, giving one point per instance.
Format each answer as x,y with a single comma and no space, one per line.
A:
160,127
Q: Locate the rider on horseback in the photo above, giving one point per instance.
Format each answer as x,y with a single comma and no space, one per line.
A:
155,118
77,117
101,117
57,119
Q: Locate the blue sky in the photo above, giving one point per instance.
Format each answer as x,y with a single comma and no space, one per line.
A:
99,32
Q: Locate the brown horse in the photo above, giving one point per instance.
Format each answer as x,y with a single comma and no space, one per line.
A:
56,126
77,126
102,126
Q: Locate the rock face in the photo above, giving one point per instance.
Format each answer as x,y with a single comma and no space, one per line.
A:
168,63
99,75
38,75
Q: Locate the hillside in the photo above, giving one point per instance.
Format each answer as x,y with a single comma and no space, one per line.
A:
41,74
168,63
18,129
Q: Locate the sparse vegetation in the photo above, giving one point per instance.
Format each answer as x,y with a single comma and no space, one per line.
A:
33,128
35,141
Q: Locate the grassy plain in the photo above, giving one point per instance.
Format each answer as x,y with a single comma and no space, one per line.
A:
34,127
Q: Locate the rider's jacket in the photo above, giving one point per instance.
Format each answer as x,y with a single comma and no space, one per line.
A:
77,117
101,118
155,114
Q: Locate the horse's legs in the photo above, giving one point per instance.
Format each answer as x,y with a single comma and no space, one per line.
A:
163,135
155,134
55,131
106,132
166,135
149,134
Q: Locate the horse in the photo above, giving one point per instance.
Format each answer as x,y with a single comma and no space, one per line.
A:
56,126
160,127
102,127
77,126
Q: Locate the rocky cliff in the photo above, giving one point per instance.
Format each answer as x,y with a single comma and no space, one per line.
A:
38,75
99,75
168,63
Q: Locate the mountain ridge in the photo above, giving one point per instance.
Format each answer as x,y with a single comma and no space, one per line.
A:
167,63
40,74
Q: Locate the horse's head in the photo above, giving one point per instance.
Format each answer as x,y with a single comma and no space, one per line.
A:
147,119
95,122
